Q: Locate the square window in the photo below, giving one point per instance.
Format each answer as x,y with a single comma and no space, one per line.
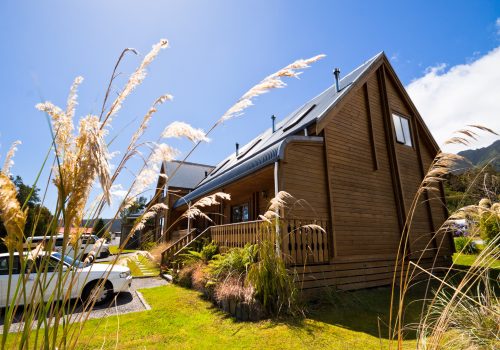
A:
239,213
402,129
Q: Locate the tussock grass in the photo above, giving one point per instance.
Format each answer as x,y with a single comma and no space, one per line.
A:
81,157
462,311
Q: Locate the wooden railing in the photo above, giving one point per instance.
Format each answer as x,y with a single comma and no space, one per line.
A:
238,234
302,241
305,241
182,243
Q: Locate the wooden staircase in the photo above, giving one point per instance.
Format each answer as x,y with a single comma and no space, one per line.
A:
179,246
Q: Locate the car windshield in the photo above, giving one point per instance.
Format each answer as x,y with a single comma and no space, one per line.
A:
69,260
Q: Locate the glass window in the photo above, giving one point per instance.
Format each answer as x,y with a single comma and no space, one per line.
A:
4,265
402,129
59,242
239,213
47,262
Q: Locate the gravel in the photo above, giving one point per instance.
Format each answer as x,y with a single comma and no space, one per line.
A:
123,303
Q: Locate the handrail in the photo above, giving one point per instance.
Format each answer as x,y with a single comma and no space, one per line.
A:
203,233
174,249
239,223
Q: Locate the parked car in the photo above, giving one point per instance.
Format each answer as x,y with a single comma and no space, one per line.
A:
83,246
81,280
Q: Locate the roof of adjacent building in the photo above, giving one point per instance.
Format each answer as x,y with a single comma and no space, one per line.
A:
265,148
185,174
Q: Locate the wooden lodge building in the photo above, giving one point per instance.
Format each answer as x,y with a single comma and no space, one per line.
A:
356,154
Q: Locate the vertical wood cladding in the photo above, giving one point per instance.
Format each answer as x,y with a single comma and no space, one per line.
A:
364,210
426,215
304,177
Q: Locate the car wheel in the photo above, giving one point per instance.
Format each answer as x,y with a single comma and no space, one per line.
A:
94,291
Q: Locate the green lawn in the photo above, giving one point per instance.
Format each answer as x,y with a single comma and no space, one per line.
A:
468,260
141,267
113,249
180,319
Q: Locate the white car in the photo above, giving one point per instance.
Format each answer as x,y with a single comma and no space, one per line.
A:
80,281
83,246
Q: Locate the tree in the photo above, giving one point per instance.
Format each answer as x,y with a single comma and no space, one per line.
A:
99,228
25,192
38,218
38,221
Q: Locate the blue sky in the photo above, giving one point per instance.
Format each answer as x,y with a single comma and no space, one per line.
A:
218,49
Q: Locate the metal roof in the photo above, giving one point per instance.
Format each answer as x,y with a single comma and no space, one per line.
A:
264,149
188,175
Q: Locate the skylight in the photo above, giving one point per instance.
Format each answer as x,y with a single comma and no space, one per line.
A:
219,168
296,120
243,153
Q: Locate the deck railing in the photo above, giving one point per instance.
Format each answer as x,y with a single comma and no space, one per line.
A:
302,241
238,234
305,241
169,253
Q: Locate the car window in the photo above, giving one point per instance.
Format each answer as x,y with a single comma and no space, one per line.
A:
49,263
4,265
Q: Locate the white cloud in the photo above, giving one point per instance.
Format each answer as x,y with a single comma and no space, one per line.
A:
118,191
497,24
450,99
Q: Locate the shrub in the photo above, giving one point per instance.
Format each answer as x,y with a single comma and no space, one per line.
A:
156,251
184,277
233,263
272,283
465,245
148,245
489,225
207,253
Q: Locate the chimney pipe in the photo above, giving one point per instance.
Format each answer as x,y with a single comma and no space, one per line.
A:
273,119
336,73
237,148
206,173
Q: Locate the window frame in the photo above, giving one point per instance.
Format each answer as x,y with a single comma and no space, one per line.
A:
402,129
241,205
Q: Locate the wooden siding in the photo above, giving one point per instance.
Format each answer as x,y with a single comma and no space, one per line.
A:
303,175
362,182
364,207
425,219
359,272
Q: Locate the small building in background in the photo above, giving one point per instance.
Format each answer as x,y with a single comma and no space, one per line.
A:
182,177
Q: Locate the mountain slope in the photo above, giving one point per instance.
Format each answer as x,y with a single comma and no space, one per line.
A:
484,155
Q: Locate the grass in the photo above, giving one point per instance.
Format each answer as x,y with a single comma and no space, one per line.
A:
114,250
180,319
142,267
134,268
468,260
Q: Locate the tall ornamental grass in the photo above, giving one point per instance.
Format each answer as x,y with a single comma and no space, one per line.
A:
461,309
80,160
